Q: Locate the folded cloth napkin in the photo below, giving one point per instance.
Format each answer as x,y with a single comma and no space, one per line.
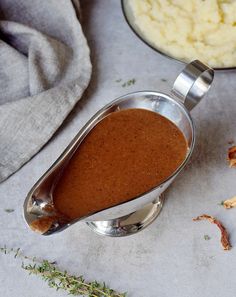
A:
44,69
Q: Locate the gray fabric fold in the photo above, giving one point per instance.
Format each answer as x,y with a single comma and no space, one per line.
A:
44,69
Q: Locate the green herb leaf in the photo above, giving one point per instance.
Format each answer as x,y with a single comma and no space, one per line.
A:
207,237
9,210
129,83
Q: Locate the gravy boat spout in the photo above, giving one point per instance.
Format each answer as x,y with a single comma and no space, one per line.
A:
134,215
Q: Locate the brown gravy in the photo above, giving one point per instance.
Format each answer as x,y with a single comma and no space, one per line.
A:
126,154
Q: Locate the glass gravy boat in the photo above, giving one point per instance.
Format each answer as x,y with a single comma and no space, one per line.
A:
134,215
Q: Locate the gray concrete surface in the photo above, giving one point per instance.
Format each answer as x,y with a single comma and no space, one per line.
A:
170,257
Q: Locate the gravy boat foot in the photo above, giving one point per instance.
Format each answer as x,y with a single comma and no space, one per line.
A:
129,224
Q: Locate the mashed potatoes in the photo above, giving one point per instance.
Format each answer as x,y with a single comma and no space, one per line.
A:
188,30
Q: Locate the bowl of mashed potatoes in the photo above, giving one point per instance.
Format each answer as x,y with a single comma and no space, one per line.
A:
187,30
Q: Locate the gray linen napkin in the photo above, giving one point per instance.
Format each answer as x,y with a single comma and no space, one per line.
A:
44,69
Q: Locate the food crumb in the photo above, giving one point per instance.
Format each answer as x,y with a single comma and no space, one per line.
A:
232,156
207,237
230,203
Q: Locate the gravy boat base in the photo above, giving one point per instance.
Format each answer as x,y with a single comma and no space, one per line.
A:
129,224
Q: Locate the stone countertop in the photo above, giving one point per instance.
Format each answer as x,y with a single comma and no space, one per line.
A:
170,257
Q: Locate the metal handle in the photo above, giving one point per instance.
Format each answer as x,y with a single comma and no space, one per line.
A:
193,83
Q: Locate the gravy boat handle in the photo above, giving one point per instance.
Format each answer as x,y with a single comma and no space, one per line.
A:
193,83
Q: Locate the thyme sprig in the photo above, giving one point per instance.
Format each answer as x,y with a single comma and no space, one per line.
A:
62,280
